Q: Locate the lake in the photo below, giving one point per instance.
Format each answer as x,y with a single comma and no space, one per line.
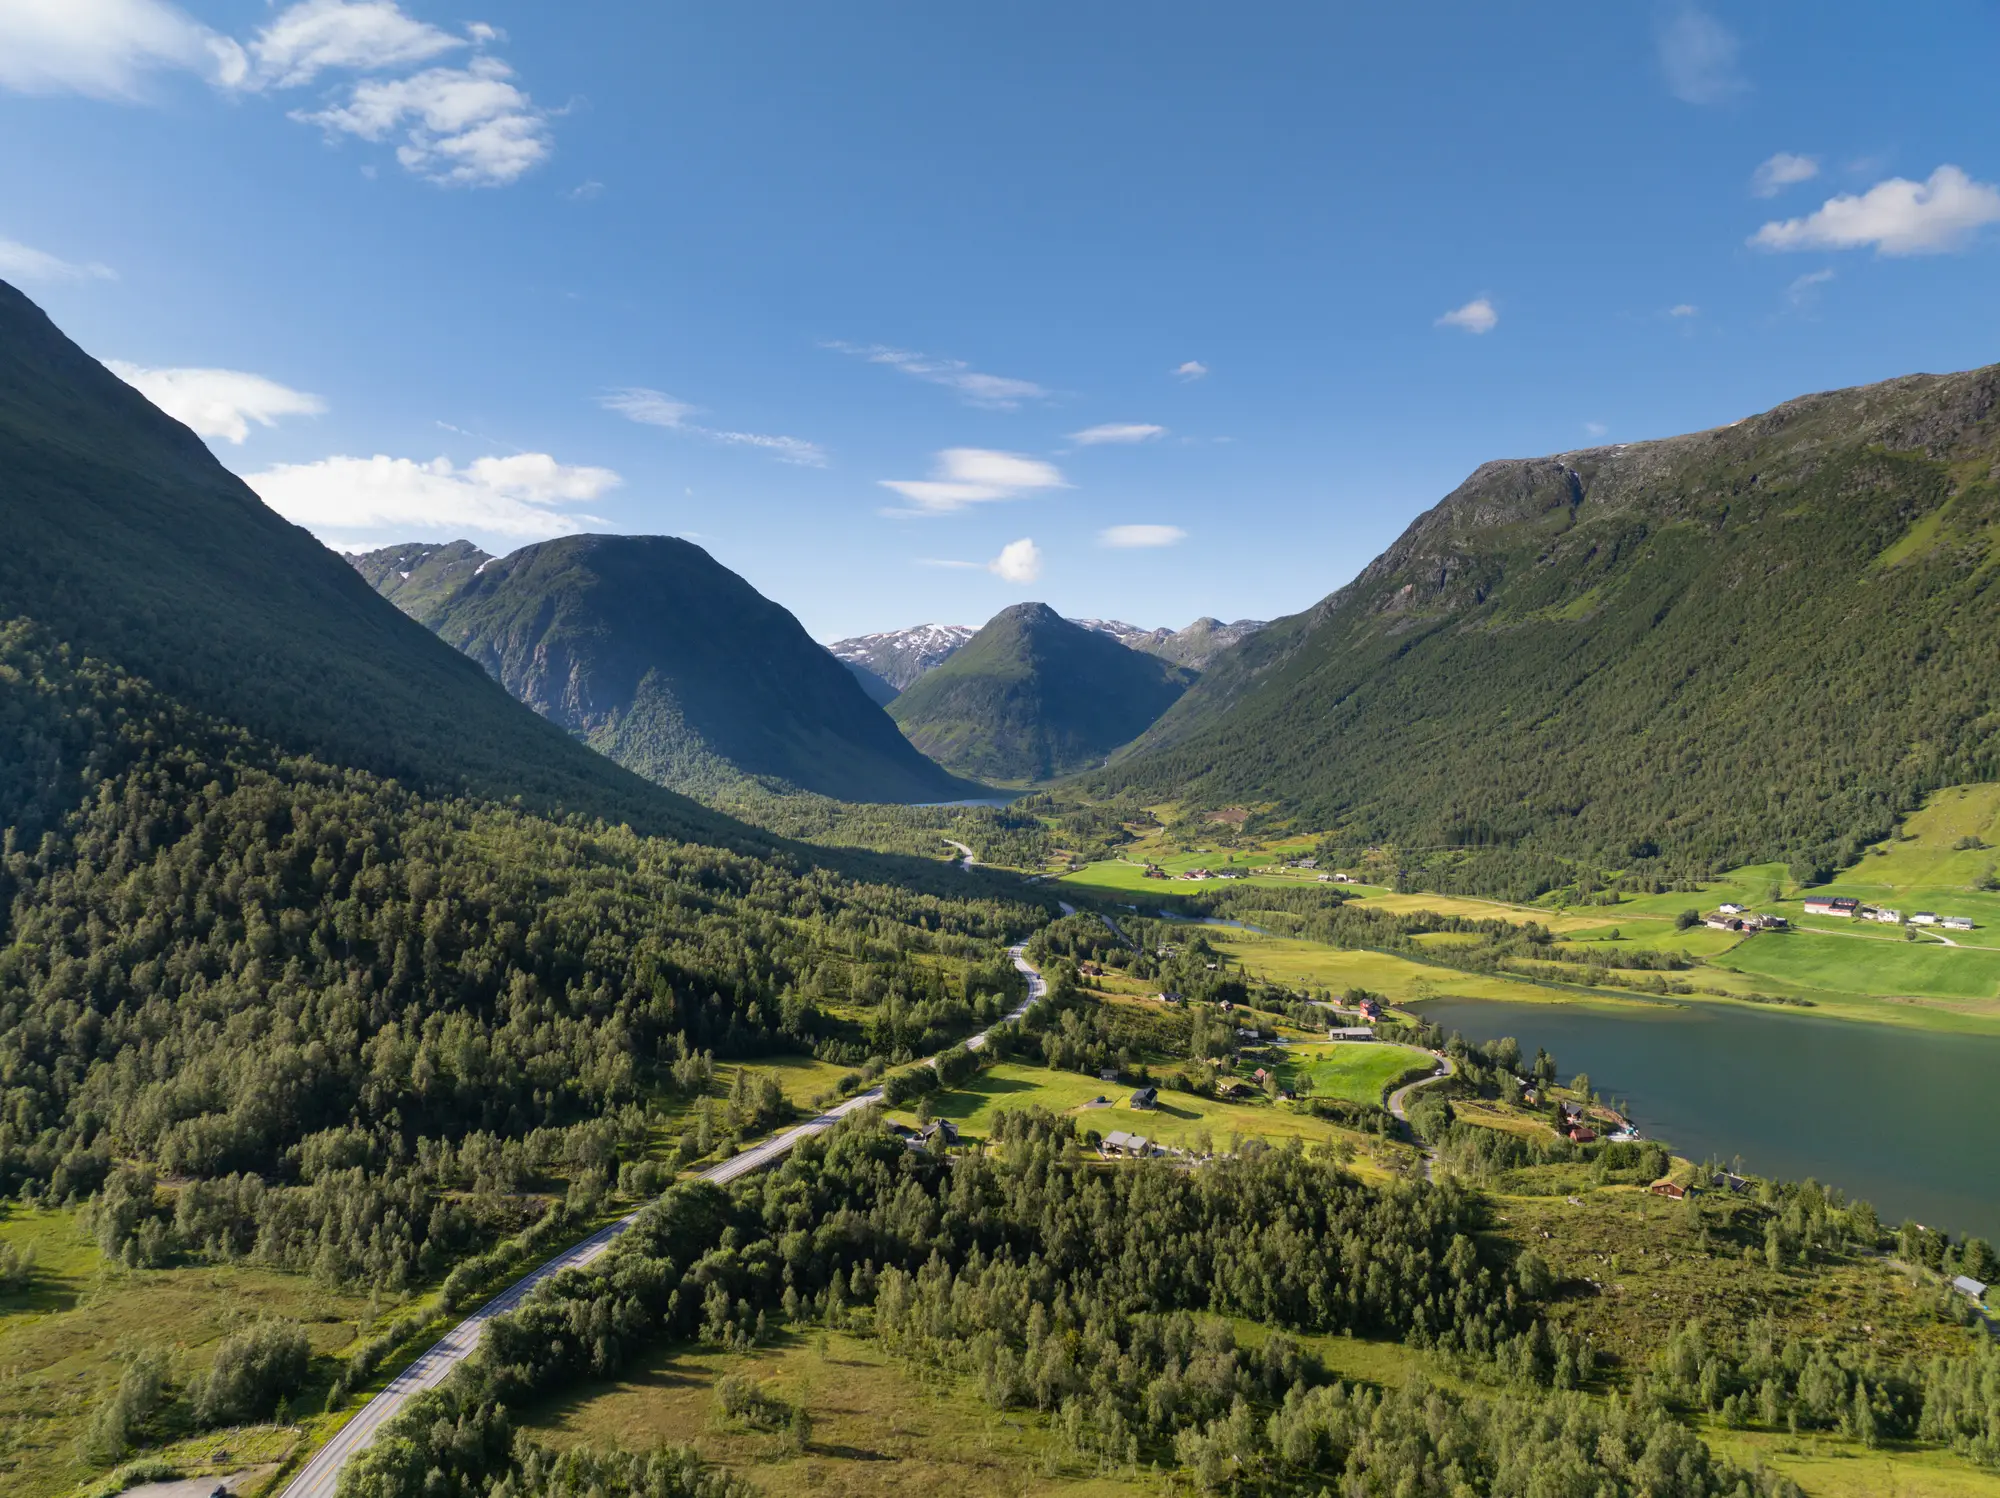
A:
1908,1119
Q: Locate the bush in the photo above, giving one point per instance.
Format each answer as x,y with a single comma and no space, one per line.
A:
117,1423
253,1370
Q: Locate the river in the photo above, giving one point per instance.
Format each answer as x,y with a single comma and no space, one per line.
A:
1908,1119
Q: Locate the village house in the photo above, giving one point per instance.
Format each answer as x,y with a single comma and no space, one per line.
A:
1969,1287
1237,1091
1839,905
1730,908
1722,923
1672,1190
940,1131
1772,922
1580,1134
1369,1009
1956,923
1120,1145
1350,1032
1886,917
1090,969
1924,918
1146,1097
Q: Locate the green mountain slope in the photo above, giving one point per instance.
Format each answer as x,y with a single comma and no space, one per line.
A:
652,652
1766,640
1033,696
418,576
126,540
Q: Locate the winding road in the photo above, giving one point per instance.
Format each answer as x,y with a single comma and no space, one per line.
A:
319,1477
1399,1105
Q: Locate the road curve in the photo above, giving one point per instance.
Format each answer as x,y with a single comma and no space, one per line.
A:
1399,1108
319,1477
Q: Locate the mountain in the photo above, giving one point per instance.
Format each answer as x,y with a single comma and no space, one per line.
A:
417,576
651,651
125,540
1192,647
1762,641
1033,696
897,657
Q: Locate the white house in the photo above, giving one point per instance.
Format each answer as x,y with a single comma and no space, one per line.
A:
1924,918
1730,908
1886,917
1957,923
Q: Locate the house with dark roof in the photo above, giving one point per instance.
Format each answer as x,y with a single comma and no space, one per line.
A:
1146,1097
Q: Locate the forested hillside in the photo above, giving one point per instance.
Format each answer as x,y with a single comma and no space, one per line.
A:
1763,641
652,652
280,899
1033,696
127,540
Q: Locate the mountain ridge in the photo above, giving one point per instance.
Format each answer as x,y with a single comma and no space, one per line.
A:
652,652
1033,696
1538,657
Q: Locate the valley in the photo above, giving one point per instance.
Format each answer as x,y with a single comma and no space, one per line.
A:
641,1054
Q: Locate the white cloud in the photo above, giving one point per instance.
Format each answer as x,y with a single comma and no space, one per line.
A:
217,402
1684,309
1698,55
20,262
994,392
1594,429
1117,431
971,475
1803,291
1194,369
512,496
361,35
465,126
1898,217
1018,562
1135,537
1476,316
106,48
1782,171
654,408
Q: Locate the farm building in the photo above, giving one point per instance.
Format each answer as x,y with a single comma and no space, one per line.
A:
1956,923
1969,1287
1351,1032
1924,918
1839,905
1729,907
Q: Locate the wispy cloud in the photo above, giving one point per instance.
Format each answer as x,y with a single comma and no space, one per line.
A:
1781,171
1897,217
654,408
389,498
1804,291
965,476
20,262
1476,316
1140,537
469,125
217,402
994,392
1699,56
1594,429
1684,309
1194,369
1019,562
1117,432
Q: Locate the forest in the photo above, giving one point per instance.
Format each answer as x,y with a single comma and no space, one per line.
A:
369,1032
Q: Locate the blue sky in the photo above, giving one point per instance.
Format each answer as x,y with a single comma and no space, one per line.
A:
910,312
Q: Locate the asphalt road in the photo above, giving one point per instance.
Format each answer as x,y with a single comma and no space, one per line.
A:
319,1477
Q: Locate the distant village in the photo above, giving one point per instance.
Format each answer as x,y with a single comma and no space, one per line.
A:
1849,909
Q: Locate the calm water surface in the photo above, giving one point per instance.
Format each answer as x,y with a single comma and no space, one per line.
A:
1908,1119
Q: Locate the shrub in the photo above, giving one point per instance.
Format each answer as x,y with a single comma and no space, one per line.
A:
253,1370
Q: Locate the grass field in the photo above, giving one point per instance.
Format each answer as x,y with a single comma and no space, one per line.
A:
1856,964
64,1340
1306,964
1360,1073
877,1428
1181,1119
